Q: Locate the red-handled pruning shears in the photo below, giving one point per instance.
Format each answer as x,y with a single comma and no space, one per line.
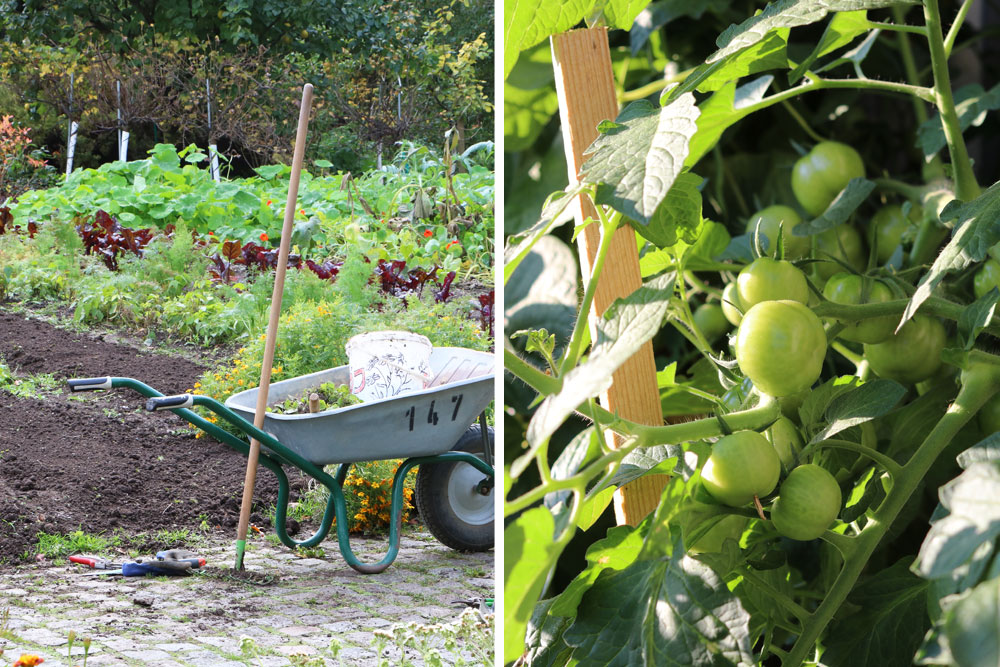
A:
96,563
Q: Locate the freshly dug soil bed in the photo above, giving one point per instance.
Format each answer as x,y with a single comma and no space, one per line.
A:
97,461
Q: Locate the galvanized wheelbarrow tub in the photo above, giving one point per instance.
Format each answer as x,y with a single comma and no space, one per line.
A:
419,423
422,427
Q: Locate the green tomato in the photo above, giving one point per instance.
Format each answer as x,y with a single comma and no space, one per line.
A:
780,346
807,503
989,415
769,219
785,438
766,279
729,527
742,465
987,277
711,320
846,288
819,176
732,308
844,243
912,355
886,229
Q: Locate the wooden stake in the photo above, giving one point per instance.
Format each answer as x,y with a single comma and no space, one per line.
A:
586,90
272,324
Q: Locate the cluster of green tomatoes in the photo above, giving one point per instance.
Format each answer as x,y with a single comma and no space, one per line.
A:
781,344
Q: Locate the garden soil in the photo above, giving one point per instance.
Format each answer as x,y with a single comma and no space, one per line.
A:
97,461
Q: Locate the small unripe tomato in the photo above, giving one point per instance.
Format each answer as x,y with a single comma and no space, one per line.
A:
912,355
710,320
807,503
843,242
847,288
785,439
742,465
886,229
780,346
820,175
772,217
731,306
986,278
766,279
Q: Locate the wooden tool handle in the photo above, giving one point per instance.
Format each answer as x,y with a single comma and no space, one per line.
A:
272,323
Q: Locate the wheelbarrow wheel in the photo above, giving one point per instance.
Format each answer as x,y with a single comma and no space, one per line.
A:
450,500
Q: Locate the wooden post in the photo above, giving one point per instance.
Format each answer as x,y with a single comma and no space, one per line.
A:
586,90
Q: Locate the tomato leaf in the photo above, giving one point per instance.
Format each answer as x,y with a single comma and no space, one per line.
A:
656,610
636,160
584,447
621,14
971,626
839,210
678,216
972,104
887,628
625,327
985,451
813,408
520,246
842,29
528,23
544,637
976,231
973,503
867,493
785,14
529,554
616,551
976,316
660,13
859,405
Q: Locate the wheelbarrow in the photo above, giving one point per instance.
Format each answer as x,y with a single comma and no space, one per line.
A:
431,428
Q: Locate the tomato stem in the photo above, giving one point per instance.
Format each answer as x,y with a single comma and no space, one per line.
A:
580,332
966,186
845,544
890,466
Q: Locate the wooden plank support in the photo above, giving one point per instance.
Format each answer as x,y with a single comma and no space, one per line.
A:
586,90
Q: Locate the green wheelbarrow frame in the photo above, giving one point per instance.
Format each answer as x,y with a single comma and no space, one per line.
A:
279,455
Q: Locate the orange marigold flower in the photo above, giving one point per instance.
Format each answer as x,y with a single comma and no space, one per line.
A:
263,236
428,233
28,660
450,244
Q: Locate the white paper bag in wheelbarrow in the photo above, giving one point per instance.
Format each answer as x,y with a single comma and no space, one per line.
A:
384,364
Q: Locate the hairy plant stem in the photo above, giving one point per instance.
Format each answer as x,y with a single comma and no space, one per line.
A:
966,186
949,40
580,331
978,385
933,306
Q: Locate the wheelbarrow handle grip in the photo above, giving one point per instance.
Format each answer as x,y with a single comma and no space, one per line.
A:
89,384
170,402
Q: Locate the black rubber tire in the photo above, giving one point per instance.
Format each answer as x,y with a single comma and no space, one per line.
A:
431,492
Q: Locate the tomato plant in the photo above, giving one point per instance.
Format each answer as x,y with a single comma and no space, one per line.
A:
840,120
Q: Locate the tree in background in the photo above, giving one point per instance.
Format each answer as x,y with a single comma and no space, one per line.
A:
384,71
